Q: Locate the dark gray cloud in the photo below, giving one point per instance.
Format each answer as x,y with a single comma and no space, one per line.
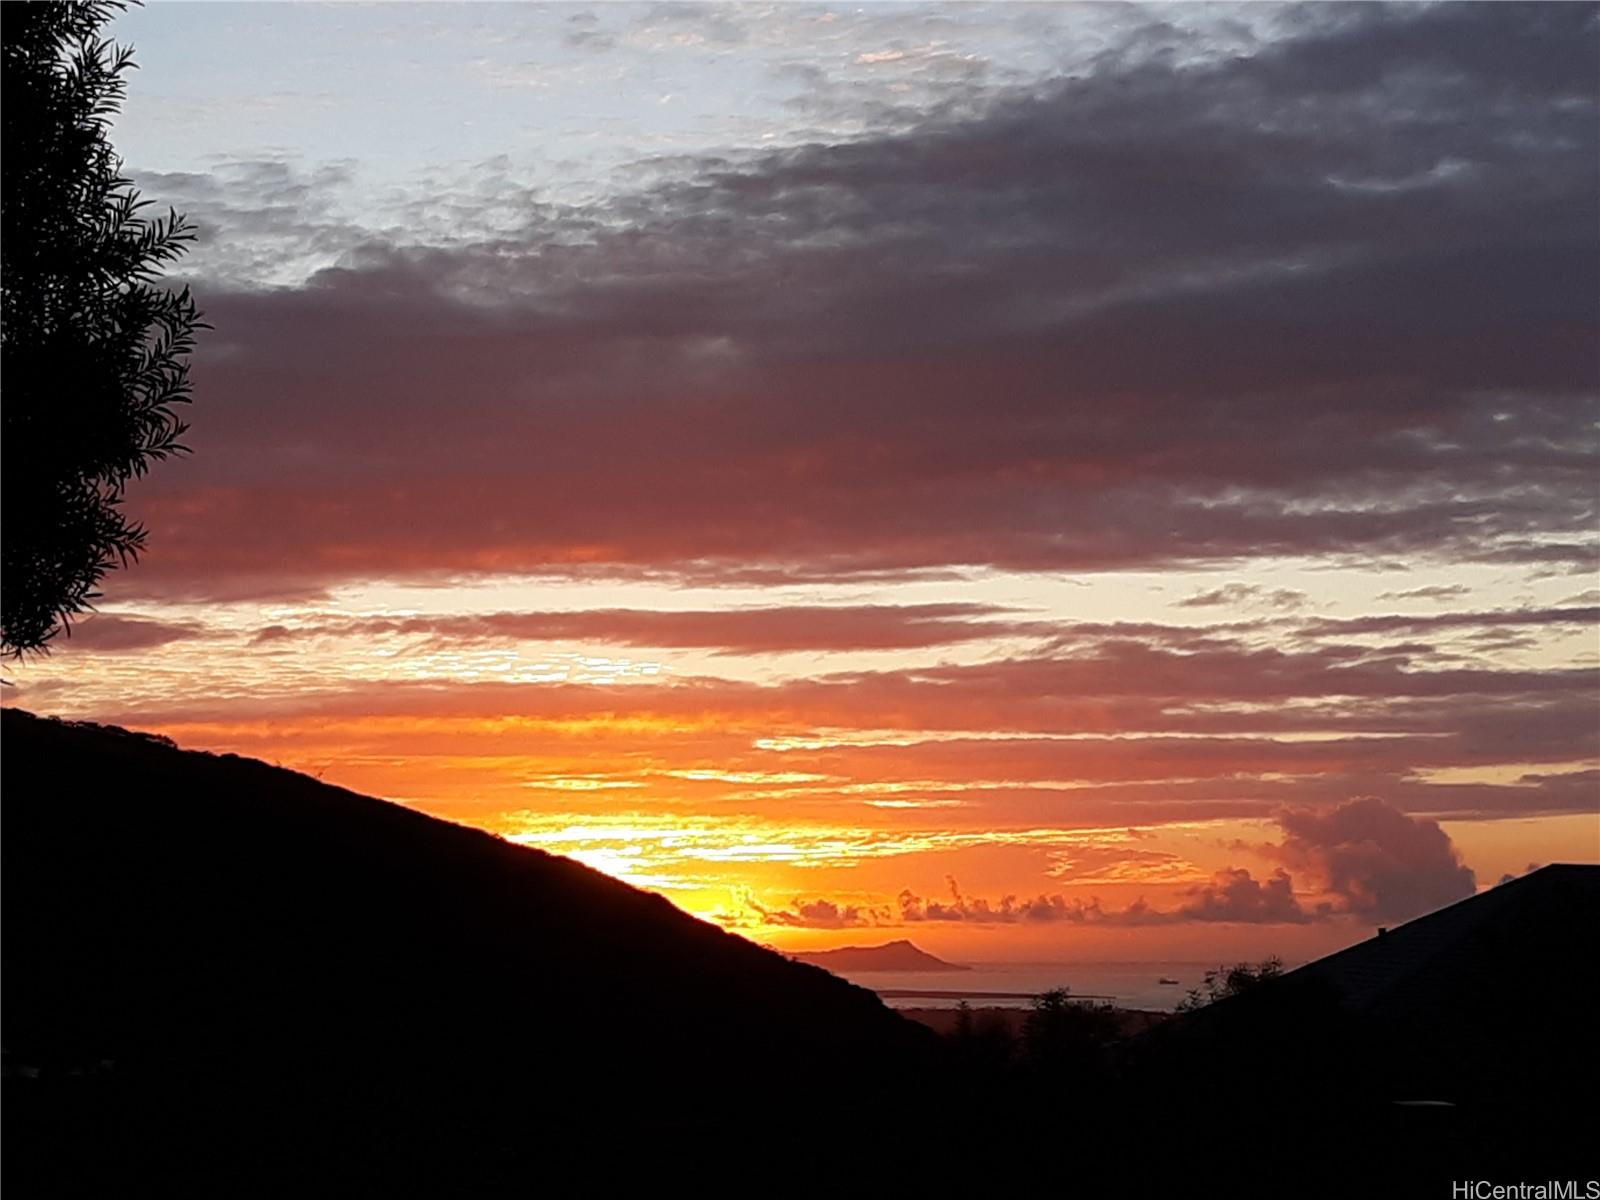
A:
1380,863
1235,895
258,218
111,633
821,914
1334,298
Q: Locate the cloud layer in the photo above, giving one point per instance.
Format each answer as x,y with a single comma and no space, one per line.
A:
1335,297
1365,859
992,474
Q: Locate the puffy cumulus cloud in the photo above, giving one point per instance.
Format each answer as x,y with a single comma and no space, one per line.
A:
1331,296
1369,889
819,914
1233,895
1377,862
1511,875
1363,859
1237,896
1006,911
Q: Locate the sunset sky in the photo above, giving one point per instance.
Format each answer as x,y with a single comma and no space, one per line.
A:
1048,481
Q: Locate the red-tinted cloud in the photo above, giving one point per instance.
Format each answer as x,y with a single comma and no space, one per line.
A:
1162,721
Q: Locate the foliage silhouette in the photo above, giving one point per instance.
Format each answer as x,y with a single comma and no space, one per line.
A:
1068,1039
95,353
963,1028
982,1045
1222,983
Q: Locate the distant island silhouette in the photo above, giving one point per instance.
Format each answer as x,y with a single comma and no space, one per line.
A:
898,955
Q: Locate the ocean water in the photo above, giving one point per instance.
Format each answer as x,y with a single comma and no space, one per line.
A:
1125,984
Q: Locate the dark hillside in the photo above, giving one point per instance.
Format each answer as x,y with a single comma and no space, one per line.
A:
207,958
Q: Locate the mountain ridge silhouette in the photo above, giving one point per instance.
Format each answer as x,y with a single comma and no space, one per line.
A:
898,955
207,942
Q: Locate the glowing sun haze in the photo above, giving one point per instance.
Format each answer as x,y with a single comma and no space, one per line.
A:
1062,481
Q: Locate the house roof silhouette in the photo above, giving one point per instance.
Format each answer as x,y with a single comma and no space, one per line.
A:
1488,1002
1539,928
1461,1045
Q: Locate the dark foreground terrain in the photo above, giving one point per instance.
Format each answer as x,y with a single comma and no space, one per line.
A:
222,978
214,968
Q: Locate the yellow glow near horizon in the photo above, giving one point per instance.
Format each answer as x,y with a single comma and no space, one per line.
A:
784,777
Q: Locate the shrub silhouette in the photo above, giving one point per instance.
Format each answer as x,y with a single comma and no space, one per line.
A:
1222,983
1068,1039
95,354
983,1044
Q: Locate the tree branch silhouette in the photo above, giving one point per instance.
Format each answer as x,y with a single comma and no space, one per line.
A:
95,352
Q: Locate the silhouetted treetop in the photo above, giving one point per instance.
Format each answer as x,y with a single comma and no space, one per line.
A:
95,353
1221,983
